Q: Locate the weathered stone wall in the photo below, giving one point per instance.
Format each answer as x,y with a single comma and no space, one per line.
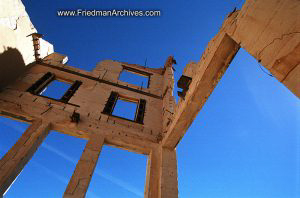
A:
92,95
270,31
16,47
89,100
111,71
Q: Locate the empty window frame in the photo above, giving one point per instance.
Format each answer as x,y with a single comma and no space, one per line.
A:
10,131
135,77
109,174
56,89
125,107
50,87
48,173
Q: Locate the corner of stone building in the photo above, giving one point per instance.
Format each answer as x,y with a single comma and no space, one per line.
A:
169,102
16,46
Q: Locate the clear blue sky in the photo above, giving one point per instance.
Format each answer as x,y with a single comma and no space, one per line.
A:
245,143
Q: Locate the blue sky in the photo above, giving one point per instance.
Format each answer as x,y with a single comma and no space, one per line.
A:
244,143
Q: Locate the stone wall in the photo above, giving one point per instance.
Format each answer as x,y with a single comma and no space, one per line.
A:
16,47
270,31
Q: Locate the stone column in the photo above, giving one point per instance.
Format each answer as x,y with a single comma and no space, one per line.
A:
17,157
152,175
168,175
161,180
83,173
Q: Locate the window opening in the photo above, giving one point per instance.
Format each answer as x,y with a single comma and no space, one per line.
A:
49,87
135,77
10,131
39,85
125,107
50,169
56,89
114,181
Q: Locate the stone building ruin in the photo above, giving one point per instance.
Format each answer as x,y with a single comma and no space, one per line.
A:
269,30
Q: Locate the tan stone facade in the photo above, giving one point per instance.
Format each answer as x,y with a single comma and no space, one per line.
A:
89,101
267,29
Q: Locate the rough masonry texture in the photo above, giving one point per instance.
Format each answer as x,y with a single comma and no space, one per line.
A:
269,30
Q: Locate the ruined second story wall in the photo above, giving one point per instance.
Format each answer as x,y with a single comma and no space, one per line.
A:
111,71
92,96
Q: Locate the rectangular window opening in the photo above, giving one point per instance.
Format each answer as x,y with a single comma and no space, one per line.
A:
10,131
56,89
118,173
125,108
135,77
53,88
50,169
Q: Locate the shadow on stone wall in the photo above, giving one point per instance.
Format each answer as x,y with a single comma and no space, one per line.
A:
11,66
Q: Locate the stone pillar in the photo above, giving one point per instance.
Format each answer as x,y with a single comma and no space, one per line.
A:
17,157
83,173
161,180
152,175
168,175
